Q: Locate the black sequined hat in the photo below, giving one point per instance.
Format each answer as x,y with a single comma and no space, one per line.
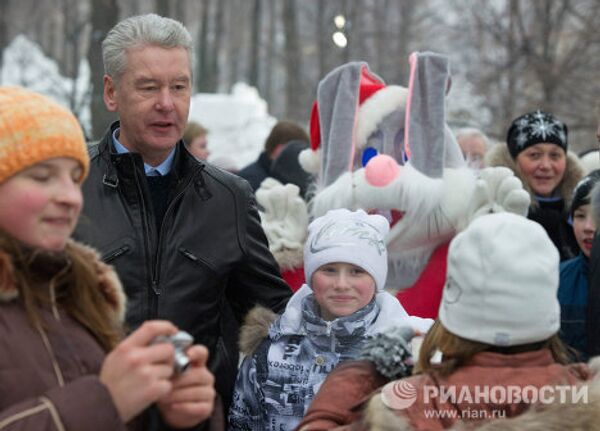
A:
535,128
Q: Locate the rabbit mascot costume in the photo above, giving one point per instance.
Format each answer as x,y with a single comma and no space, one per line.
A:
388,149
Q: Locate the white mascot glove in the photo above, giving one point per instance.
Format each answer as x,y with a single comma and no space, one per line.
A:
496,190
284,217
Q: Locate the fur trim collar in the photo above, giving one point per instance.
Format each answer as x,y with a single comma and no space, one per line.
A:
108,281
498,155
255,329
557,416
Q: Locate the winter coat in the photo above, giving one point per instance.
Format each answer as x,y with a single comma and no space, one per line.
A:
206,266
278,380
593,307
385,357
256,172
573,299
529,370
347,402
49,376
346,388
553,214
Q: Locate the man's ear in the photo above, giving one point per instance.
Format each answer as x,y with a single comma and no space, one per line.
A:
110,93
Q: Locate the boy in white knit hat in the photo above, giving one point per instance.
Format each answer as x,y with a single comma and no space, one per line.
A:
326,322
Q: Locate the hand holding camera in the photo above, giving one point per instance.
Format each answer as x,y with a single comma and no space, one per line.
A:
148,366
181,341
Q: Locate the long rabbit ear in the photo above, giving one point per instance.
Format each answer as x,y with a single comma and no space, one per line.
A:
426,113
338,97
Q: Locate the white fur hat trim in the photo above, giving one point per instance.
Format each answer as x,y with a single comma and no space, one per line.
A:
376,108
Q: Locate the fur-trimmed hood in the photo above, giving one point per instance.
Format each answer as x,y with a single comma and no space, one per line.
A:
553,417
255,328
499,155
108,281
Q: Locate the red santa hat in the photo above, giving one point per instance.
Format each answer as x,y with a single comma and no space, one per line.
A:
342,118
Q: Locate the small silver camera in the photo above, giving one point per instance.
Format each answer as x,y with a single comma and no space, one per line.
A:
180,341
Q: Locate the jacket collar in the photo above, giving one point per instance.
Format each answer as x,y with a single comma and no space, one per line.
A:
307,320
184,164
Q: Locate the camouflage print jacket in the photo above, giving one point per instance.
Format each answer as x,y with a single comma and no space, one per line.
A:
277,382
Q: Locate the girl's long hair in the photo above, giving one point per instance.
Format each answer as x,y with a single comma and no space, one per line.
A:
456,350
75,281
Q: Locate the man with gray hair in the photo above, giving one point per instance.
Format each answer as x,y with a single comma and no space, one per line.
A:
184,236
474,144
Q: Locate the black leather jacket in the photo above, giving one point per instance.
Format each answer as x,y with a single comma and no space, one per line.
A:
210,253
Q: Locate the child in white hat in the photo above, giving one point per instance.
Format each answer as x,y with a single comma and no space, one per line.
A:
496,331
326,322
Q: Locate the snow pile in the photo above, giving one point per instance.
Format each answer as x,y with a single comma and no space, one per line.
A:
238,123
25,65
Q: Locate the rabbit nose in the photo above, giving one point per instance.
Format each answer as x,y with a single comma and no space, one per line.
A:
381,170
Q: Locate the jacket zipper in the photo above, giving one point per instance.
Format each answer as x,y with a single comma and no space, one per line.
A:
57,371
153,302
330,335
158,260
118,252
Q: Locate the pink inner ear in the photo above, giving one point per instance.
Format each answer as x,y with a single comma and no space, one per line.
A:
412,61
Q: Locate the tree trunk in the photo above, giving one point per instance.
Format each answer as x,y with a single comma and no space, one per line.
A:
293,84
3,32
269,62
104,14
216,51
323,39
162,8
255,43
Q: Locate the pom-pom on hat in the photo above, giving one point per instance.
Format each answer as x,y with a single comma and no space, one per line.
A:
501,282
535,128
581,192
34,128
349,237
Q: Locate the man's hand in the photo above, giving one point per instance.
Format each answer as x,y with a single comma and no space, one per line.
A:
191,400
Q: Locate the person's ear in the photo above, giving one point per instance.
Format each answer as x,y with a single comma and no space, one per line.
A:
110,94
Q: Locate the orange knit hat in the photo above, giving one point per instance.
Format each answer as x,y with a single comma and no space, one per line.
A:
34,128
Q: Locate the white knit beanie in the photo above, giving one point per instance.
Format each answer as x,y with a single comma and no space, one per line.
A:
350,237
501,282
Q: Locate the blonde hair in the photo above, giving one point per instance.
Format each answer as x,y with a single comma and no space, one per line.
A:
192,131
456,350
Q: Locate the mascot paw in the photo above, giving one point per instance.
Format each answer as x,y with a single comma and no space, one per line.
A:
284,215
497,190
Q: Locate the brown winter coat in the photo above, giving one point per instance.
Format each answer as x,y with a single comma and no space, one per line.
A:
338,400
338,405
49,377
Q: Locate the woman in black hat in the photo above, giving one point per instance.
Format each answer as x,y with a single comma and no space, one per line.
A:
537,151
